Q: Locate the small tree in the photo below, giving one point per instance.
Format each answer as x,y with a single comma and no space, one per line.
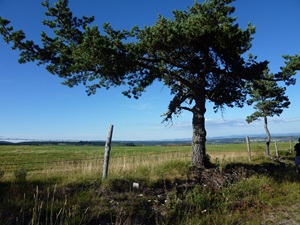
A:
199,55
269,99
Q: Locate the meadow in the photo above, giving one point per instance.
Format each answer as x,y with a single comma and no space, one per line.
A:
71,163
62,185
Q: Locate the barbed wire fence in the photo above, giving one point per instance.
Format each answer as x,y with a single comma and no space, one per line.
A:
37,164
41,140
18,139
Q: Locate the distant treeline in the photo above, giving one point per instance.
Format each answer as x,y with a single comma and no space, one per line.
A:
37,143
184,142
96,143
77,143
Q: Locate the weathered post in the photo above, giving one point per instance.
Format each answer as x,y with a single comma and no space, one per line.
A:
276,149
248,147
107,151
290,147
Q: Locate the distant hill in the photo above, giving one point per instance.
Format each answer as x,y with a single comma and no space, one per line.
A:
183,141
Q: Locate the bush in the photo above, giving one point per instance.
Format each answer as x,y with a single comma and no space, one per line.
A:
20,175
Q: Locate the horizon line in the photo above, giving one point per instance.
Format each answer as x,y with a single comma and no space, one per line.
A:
3,139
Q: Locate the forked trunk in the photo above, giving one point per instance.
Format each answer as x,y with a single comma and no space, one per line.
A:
199,157
269,137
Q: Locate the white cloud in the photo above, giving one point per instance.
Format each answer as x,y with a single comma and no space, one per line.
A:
140,106
227,127
218,122
284,120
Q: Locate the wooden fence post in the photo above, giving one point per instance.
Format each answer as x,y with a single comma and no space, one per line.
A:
290,147
107,151
248,147
276,149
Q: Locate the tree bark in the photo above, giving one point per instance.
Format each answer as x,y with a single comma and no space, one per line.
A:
269,137
199,157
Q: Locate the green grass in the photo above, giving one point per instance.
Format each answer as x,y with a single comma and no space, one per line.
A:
76,162
63,185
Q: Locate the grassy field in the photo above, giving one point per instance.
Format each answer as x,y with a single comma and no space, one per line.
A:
62,185
73,162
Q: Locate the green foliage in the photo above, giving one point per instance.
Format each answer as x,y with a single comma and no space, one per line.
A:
292,64
203,199
201,44
270,98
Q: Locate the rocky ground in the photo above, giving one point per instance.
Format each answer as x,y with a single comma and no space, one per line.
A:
155,198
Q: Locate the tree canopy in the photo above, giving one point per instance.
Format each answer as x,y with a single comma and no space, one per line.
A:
269,97
200,54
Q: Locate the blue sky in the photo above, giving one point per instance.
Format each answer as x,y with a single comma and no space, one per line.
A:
34,104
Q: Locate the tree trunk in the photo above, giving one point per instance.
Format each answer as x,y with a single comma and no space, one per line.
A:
199,157
269,137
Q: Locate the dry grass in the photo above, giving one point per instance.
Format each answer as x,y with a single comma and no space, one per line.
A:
75,172
73,163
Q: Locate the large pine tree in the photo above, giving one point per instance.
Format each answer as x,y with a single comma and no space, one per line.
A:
199,54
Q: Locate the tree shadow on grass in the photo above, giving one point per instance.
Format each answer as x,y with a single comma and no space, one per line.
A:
279,170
